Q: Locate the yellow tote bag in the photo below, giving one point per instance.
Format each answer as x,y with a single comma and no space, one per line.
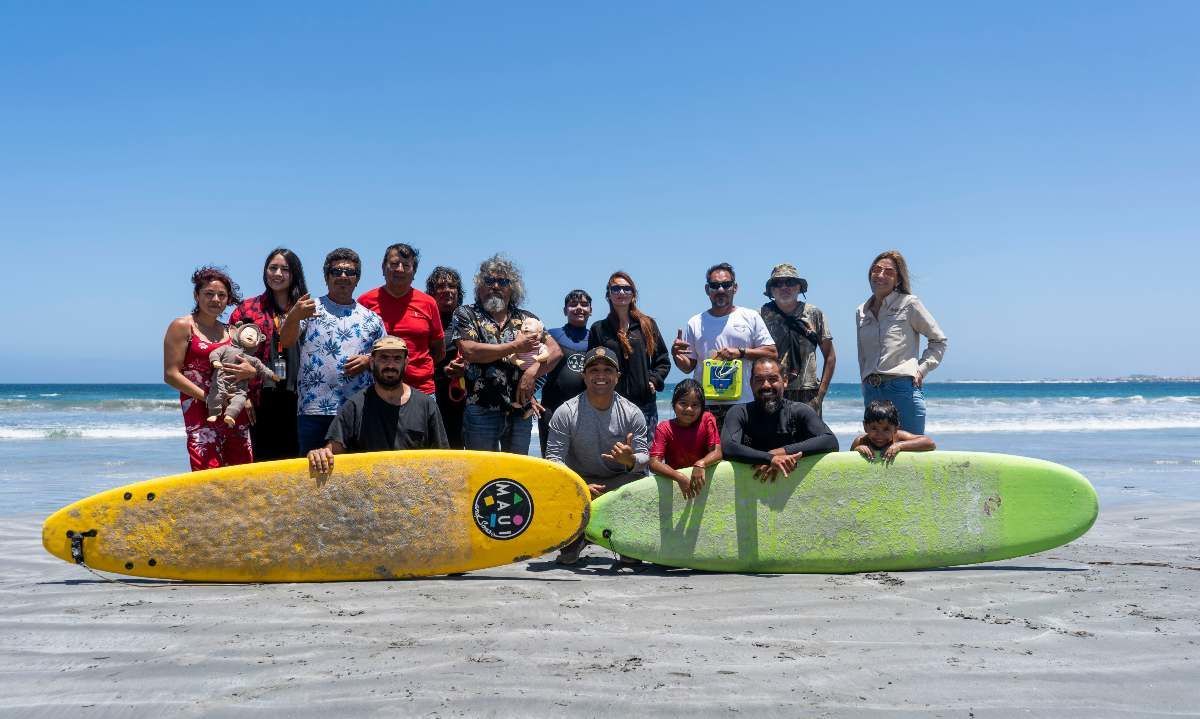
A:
722,379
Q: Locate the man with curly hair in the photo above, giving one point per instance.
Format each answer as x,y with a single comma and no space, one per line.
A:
486,332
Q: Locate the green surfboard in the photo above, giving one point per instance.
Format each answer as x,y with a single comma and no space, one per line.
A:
841,513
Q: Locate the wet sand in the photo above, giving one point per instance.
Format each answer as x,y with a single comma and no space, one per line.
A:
1106,626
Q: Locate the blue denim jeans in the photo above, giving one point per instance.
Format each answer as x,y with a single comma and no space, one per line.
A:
311,430
494,430
650,410
909,401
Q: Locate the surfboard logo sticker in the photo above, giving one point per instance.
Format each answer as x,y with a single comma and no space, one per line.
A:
503,508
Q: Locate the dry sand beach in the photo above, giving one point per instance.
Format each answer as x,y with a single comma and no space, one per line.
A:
1106,626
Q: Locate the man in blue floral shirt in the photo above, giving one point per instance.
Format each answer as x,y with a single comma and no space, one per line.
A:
335,335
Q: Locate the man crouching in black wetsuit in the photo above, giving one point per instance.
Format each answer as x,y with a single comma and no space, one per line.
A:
773,433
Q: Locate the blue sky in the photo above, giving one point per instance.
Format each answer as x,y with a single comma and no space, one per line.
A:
1036,162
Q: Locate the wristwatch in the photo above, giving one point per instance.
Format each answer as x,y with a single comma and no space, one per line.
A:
742,352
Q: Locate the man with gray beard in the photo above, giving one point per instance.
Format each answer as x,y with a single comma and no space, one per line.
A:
773,433
487,332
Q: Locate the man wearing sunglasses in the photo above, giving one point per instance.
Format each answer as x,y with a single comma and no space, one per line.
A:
724,332
799,329
335,335
486,332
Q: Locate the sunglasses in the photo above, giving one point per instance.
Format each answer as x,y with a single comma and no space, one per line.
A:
785,283
728,284
342,272
620,290
497,281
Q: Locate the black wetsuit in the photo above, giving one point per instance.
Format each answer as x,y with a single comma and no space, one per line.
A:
750,433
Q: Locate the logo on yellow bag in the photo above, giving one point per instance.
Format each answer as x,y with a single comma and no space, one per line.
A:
722,379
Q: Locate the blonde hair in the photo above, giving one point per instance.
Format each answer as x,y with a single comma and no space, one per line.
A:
903,284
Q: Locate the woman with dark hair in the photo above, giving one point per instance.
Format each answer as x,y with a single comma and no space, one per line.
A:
890,324
274,429
187,367
444,285
641,353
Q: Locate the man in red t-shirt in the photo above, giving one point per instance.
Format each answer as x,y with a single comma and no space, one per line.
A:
409,314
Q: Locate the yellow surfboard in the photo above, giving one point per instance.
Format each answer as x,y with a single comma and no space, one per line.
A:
379,515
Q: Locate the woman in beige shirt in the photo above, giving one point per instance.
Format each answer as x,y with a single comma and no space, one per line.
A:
890,324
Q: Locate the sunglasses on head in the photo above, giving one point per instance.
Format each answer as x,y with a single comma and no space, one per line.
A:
342,272
728,284
497,281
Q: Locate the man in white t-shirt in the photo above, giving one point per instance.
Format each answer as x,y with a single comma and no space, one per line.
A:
724,332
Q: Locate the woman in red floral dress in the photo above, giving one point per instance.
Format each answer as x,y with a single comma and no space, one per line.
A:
186,367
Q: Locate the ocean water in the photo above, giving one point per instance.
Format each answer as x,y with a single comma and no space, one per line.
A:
1135,441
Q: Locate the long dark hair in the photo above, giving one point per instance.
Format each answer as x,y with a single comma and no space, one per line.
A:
296,290
645,321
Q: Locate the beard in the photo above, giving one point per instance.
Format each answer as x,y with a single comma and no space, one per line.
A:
494,304
769,401
391,380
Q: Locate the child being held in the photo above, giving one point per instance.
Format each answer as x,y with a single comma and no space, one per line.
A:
881,422
689,440
228,394
534,329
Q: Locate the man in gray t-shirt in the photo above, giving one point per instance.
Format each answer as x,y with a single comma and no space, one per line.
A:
600,435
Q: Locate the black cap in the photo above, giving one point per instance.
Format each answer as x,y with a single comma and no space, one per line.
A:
600,354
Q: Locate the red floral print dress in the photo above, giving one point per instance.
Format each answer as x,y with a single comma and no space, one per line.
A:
210,444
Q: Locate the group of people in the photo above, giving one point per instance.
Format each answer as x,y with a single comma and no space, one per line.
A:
401,368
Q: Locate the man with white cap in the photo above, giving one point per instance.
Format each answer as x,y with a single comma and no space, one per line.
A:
386,415
799,330
600,435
